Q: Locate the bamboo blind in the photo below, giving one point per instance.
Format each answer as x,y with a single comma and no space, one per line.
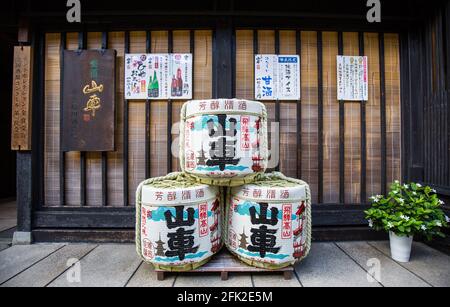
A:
136,122
309,104
295,158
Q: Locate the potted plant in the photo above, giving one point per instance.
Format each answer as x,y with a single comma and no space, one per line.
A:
408,210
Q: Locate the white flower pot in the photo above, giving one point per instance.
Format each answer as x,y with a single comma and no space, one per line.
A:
400,247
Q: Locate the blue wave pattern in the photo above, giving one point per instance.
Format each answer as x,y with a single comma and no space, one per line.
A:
217,168
202,123
176,258
158,214
243,209
268,255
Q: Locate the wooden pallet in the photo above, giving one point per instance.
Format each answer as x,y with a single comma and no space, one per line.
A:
225,263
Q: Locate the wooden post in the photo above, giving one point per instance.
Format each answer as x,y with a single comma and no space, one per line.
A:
21,134
224,275
287,275
222,59
160,276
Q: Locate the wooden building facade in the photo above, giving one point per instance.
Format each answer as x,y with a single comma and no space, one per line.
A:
347,151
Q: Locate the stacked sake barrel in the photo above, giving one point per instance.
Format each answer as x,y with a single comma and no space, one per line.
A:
180,218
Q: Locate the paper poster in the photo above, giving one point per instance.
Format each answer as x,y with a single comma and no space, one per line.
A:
277,77
352,80
288,77
158,65
181,76
265,76
158,76
136,76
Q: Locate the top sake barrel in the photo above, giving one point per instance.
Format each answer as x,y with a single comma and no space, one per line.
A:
223,141
178,222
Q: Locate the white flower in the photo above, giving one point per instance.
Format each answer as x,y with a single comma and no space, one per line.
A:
390,225
396,181
441,202
405,186
433,190
404,217
423,227
376,198
419,185
370,223
447,219
401,200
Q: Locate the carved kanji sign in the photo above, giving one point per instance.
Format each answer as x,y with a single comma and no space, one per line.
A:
21,102
88,100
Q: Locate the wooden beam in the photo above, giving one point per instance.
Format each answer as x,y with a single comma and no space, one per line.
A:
223,63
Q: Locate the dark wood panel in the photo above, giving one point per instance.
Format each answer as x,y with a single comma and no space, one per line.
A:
322,215
319,234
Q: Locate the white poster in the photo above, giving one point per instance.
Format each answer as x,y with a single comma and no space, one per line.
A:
288,77
352,78
181,76
158,76
277,77
136,76
158,65
265,76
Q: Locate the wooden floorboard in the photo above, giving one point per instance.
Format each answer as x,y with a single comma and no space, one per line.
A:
109,265
16,259
44,272
329,266
213,280
427,263
4,246
274,280
117,265
145,276
391,273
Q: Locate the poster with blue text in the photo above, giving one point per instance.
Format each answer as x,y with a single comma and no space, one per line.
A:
277,77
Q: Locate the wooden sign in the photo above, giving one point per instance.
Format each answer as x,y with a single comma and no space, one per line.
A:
21,103
88,100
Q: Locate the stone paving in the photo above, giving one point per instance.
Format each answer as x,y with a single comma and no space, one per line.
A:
117,265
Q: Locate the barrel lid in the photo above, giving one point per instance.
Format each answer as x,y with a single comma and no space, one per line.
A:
220,106
271,191
169,194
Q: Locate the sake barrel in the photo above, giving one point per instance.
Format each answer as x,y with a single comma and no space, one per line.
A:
178,222
223,141
269,221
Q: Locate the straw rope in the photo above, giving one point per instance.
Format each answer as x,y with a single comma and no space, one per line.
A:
173,180
274,179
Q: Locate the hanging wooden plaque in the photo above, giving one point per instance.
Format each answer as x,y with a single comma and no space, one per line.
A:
21,99
88,100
